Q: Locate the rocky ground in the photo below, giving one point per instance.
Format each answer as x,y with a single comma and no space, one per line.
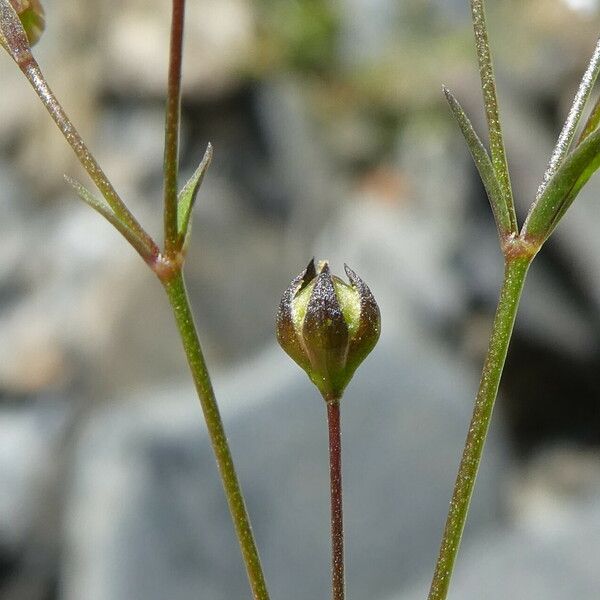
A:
331,139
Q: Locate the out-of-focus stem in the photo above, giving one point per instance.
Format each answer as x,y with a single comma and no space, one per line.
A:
173,115
178,298
514,279
337,520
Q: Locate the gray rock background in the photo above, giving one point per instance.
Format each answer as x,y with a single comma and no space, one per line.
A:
331,139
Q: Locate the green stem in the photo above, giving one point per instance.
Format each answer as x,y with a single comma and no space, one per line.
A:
175,288
514,279
337,520
173,115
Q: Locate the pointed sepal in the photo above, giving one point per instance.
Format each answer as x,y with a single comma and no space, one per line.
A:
327,326
368,329
325,335
288,325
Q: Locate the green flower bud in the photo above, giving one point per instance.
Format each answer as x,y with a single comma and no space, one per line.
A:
32,18
327,326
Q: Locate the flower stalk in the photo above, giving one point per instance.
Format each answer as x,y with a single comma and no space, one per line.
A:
328,328
337,517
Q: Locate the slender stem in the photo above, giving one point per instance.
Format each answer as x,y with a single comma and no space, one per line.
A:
175,288
337,519
32,71
514,279
173,115
490,99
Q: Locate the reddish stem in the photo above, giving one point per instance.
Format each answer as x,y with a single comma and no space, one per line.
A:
173,113
337,521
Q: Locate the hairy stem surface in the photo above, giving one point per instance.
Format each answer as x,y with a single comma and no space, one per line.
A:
514,279
337,520
177,294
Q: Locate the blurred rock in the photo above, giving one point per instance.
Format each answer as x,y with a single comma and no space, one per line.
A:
368,29
384,225
29,436
147,517
550,552
219,38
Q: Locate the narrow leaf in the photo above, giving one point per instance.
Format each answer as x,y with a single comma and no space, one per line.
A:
141,245
565,139
484,166
592,123
187,196
490,100
562,189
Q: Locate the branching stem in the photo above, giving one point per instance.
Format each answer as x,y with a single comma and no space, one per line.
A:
514,279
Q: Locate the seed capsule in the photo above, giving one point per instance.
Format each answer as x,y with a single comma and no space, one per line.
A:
327,326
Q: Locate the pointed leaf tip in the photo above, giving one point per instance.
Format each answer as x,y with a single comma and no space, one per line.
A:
187,196
144,249
13,37
505,223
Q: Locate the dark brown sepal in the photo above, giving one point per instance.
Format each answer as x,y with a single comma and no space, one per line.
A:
366,336
284,325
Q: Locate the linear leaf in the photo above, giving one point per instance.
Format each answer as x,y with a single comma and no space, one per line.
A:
100,206
490,100
562,189
187,196
565,139
484,166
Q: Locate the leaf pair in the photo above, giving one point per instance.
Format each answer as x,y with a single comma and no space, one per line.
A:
566,173
503,210
142,243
